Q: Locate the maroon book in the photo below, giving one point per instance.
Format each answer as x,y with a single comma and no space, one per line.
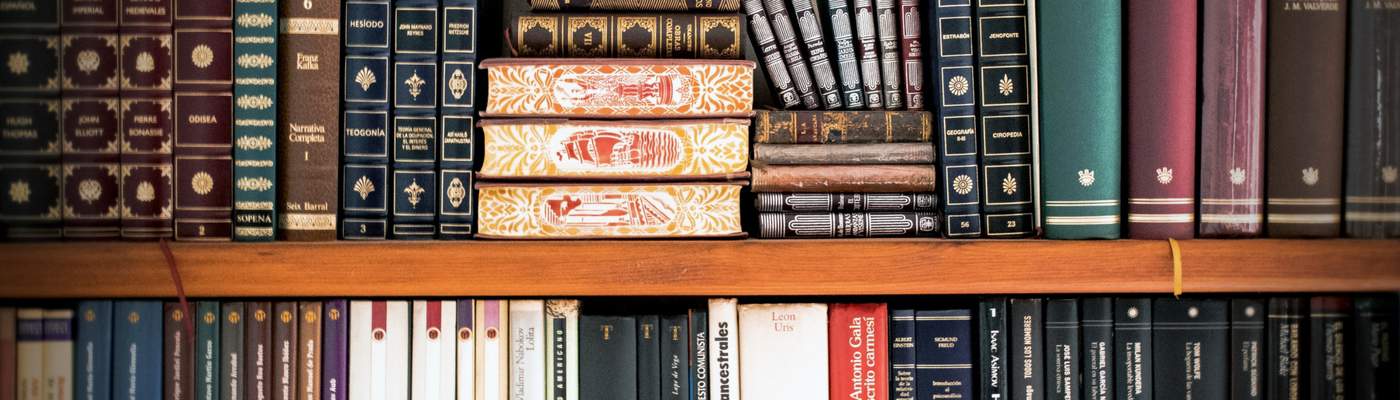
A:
1232,119
1161,118
147,124
203,115
91,155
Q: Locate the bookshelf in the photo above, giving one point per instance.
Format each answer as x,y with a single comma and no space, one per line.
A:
695,268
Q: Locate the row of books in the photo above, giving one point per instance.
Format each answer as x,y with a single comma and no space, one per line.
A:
1324,347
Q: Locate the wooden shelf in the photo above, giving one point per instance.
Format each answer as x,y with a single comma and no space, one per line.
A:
694,268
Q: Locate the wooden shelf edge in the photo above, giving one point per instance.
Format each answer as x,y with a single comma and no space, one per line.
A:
694,268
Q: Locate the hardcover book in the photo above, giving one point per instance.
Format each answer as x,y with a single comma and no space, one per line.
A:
527,350
206,351
285,345
1004,115
843,35
308,68
29,353
798,68
91,155
695,149
699,354
93,368
308,354
724,349
254,120
844,178
414,132
364,204
887,23
842,127
1373,155
466,350
1247,354
136,332
612,211
1232,119
230,359
335,349
1191,341
1080,62
958,136
809,26
1286,349
832,154
675,350
1062,343
379,350
1305,117
943,364
434,365
847,225
992,349
1373,353
761,33
786,346
860,350
58,354
868,51
902,356
178,360
457,119
1098,356
1328,332
1026,330
911,53
1132,348
836,202
610,371
561,334
601,88
648,357
1161,111
636,5
30,32
492,350
257,356
713,36
147,120
201,58
7,353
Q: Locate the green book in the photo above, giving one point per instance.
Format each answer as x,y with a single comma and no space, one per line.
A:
1081,107
206,350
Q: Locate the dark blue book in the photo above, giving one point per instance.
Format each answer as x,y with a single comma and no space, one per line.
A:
206,350
991,341
231,351
335,348
92,367
1097,358
364,201
1132,339
1062,358
1026,330
957,111
675,356
414,133
255,120
456,119
943,363
608,357
136,362
902,354
699,354
1004,118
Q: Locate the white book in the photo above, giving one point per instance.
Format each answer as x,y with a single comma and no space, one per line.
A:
561,327
379,332
527,361
492,348
466,350
58,354
434,355
724,349
784,348
29,353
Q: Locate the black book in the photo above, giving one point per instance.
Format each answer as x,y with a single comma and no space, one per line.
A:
648,357
699,354
1328,318
1062,360
608,362
675,357
1132,346
1027,368
991,323
1373,350
1191,341
1285,344
1096,318
809,26
1246,349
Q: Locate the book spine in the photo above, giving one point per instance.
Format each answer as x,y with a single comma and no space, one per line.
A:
561,319
1132,344
91,159
284,351
787,348
703,36
724,349
648,358
957,105
847,225
860,351
1004,115
58,354
1161,112
466,350
843,35
1062,341
992,350
835,154
527,358
846,178
32,103
206,351
694,89
1026,326
1096,370
887,24
457,119
675,345
635,5
92,369
414,130
136,340
1247,357
801,74
903,383
868,51
1328,333
610,371
203,95
911,52
146,123
231,368
719,213
700,354
309,351
257,356
845,127
394,349
1373,157
1372,354
1286,350
1080,63
809,26
493,350
1232,119
761,33
29,351
179,371
365,318
335,349
434,354
943,343
694,149
365,120
1191,343
308,71
7,354
844,202
1305,118
255,120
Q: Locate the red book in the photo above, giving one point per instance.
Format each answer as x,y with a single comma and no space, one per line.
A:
1161,118
1232,118
858,336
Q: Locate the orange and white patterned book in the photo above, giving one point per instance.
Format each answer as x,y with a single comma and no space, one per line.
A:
608,211
613,88
515,148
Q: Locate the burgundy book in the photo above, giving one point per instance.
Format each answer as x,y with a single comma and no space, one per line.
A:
257,351
91,156
1232,119
203,100
284,351
147,124
1161,119
1307,71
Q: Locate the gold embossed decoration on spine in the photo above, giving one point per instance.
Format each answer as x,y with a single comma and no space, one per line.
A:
308,123
636,5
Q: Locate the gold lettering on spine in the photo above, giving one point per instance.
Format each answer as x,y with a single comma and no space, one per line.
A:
311,26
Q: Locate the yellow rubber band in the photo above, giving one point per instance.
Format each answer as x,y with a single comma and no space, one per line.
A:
1176,267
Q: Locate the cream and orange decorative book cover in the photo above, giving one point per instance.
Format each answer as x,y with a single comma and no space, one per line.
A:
695,149
615,88
522,211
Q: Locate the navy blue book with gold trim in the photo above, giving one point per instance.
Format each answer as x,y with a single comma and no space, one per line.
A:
957,102
364,204
943,354
413,148
456,119
1004,117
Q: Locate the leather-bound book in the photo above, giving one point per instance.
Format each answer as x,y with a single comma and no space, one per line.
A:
257,351
911,52
1004,119
1373,140
801,73
635,5
1080,59
828,154
308,120
1307,43
714,36
788,225
809,26
202,59
147,119
844,178
944,349
414,130
91,120
1232,119
842,202
206,350
530,211
284,346
611,371
958,140
230,359
137,331
842,127
611,88
1161,110
457,118
177,357
887,22
761,33
364,135
1191,339
308,351
847,65
255,120
868,53
29,101
94,341
679,149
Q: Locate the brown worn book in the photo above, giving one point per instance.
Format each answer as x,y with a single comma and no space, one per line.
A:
853,178
308,120
781,127
309,351
872,153
627,36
